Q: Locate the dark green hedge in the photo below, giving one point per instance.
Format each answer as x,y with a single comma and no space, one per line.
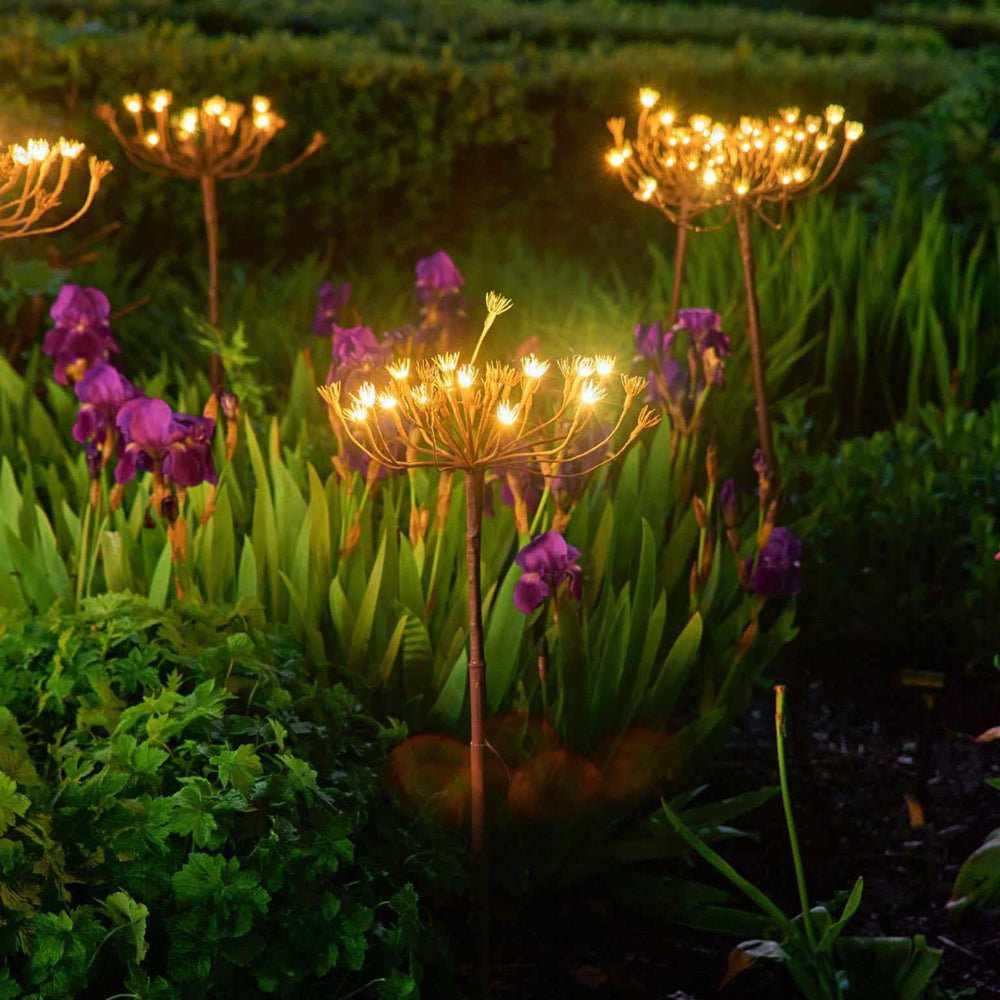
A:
962,26
546,23
421,146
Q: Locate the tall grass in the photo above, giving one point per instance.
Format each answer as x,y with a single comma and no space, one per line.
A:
865,319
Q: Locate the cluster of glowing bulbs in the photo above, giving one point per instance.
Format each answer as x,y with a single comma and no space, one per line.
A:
39,150
213,110
447,374
752,157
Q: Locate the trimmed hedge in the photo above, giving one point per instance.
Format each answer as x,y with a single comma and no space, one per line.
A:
964,27
546,23
426,145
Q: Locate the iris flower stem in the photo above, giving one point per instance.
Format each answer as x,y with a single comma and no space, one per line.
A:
786,802
81,567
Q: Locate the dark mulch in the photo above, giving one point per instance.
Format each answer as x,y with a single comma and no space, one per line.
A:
858,748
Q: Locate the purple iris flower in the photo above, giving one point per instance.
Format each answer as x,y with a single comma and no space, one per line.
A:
778,572
437,277
704,326
94,459
156,439
547,562
102,391
669,385
330,301
652,341
698,320
354,347
81,335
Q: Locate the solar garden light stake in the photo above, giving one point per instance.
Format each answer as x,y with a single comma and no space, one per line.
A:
753,168
460,417
218,140
33,178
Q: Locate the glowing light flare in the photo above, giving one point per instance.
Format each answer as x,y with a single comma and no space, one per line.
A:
853,131
133,103
189,120
215,106
604,365
466,376
507,414
70,148
648,97
534,368
366,395
159,100
399,371
387,401
591,393
152,139
834,114
260,104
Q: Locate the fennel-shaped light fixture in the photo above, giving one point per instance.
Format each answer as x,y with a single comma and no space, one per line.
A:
465,416
215,141
753,168
33,178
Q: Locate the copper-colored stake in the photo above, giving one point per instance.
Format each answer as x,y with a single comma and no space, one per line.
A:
216,140
474,485
680,252
211,212
764,432
753,165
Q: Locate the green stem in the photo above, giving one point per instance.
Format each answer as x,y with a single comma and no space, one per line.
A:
786,801
722,866
81,564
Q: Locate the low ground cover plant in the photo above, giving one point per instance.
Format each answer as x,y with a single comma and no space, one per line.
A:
182,811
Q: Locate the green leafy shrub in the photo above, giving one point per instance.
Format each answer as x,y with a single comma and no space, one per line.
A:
978,881
183,815
951,148
903,531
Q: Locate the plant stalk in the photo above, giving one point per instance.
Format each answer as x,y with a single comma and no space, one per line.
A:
786,802
474,486
765,435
